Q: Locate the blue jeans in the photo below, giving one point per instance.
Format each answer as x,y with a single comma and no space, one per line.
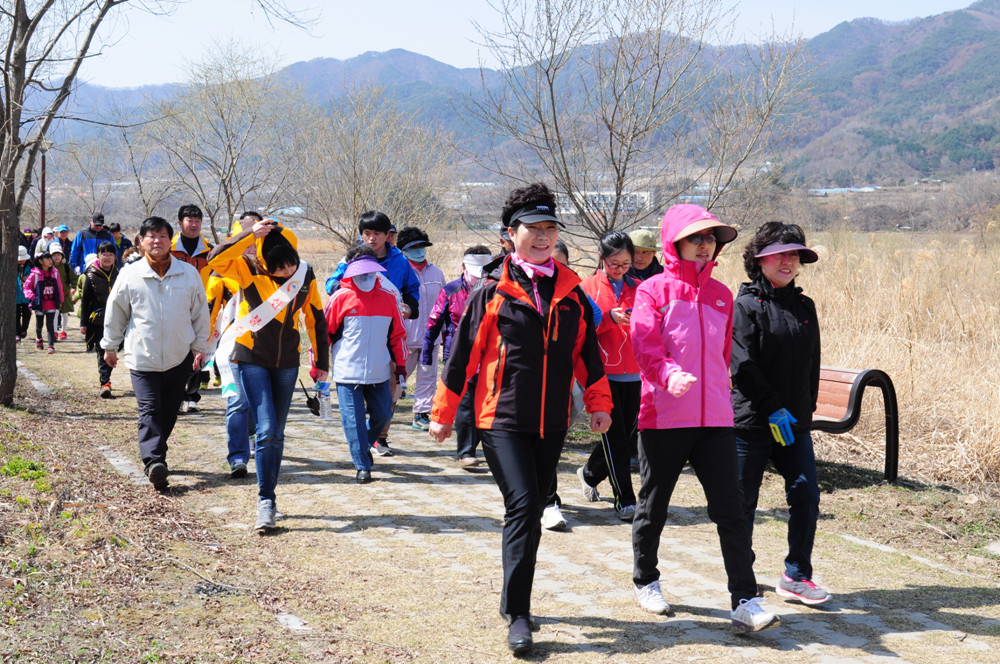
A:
269,393
797,464
238,423
361,430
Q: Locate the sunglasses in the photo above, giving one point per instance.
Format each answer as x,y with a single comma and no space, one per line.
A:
702,238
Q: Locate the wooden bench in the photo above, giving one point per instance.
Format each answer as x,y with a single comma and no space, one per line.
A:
839,407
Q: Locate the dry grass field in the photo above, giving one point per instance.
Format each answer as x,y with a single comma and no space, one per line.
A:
924,308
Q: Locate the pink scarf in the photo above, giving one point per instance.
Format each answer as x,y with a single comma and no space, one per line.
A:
546,269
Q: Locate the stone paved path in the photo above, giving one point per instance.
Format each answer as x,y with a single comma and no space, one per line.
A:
421,501
424,544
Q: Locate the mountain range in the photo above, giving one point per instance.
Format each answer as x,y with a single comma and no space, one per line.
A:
890,102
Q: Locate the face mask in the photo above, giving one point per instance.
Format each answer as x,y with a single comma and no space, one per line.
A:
417,254
365,282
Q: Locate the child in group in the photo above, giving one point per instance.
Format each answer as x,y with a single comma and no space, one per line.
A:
66,276
98,279
44,291
88,260
367,338
23,310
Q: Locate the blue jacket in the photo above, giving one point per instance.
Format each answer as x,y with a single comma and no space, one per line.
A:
397,269
86,242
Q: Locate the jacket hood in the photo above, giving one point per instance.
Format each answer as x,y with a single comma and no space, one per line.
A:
674,222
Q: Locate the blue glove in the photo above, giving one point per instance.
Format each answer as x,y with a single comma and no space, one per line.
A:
781,422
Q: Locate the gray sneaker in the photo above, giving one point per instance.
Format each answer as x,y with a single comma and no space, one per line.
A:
265,516
626,513
589,493
804,590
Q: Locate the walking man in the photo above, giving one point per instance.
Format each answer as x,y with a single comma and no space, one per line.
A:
157,307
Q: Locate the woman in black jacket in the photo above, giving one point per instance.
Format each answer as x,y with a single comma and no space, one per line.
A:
775,376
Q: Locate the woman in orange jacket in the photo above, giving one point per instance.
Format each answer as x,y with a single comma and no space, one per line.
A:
527,331
613,291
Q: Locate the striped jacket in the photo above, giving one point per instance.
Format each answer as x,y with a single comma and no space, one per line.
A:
367,334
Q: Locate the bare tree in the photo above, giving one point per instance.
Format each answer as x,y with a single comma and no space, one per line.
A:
233,135
44,43
366,154
624,106
144,166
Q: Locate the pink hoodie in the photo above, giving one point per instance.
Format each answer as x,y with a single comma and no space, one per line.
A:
682,320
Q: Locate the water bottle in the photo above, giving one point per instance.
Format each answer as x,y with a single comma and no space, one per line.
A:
323,390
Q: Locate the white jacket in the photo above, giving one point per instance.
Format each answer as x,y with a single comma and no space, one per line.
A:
161,320
431,280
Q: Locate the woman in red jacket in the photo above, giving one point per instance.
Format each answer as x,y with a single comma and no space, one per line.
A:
613,291
527,331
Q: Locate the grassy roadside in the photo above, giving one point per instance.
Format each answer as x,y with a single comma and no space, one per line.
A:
95,568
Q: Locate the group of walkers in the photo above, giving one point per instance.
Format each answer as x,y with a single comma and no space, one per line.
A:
670,369
669,358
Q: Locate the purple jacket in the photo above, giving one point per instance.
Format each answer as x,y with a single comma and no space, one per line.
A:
443,319
682,320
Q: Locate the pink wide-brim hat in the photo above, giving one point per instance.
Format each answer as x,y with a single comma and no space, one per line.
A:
806,255
362,265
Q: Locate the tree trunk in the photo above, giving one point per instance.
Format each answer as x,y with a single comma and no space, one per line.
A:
8,299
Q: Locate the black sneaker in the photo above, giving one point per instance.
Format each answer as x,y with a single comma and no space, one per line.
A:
157,473
238,470
381,448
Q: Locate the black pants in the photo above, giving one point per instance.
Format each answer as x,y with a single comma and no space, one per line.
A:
193,385
23,319
158,395
103,368
466,432
712,453
610,457
523,466
49,318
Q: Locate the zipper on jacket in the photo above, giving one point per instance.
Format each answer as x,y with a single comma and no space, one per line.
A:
553,306
501,357
701,328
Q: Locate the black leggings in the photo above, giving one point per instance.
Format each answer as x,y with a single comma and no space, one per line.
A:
523,466
50,324
23,319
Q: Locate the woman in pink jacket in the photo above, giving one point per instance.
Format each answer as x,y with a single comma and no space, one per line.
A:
682,323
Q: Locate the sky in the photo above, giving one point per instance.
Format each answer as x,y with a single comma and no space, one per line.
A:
139,48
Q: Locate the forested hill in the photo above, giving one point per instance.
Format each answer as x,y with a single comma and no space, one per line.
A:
898,101
891,101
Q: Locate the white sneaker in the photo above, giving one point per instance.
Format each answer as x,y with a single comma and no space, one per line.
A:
651,598
589,493
750,616
552,518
